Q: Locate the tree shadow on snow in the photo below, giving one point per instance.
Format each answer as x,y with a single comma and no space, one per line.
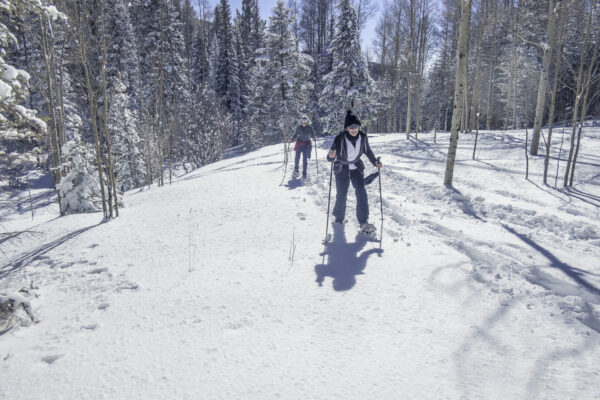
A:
583,196
34,254
575,274
343,260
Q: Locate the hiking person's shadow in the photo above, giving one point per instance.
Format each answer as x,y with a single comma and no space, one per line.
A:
294,183
343,260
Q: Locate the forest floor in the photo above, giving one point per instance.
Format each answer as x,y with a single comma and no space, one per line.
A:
218,286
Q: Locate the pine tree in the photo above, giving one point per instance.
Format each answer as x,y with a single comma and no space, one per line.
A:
21,132
129,168
222,57
348,85
198,60
122,50
283,75
210,127
250,30
79,190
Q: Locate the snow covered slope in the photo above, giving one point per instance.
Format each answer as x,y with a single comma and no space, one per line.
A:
218,286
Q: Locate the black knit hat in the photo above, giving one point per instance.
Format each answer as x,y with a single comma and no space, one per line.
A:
351,119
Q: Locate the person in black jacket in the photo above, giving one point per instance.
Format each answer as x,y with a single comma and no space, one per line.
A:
346,150
303,135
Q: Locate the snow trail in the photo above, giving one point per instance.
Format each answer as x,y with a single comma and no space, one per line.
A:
488,290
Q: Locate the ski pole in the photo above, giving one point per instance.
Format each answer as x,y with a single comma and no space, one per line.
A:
286,157
328,204
380,196
316,157
381,206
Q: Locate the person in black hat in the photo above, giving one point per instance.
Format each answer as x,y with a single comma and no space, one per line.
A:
346,150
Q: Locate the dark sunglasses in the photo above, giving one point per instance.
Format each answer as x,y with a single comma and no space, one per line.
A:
354,127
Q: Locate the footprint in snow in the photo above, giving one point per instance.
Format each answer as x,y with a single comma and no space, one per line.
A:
98,270
301,216
128,286
51,358
103,306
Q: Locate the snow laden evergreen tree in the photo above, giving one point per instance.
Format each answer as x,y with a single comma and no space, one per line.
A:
280,81
79,189
175,89
224,65
165,84
259,105
21,132
223,58
348,85
147,30
122,56
251,38
235,87
211,125
198,62
122,121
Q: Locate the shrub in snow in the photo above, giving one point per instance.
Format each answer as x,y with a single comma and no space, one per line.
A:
79,190
15,311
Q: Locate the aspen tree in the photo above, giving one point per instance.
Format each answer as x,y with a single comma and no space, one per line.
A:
461,77
541,94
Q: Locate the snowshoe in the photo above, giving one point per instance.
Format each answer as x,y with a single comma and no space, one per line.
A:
368,230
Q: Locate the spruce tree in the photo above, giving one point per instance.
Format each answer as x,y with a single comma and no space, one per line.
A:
79,189
250,38
348,85
129,168
222,57
281,80
21,131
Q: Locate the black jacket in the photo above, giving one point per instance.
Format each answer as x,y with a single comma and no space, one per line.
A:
339,145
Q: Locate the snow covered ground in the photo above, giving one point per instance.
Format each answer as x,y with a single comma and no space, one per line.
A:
218,286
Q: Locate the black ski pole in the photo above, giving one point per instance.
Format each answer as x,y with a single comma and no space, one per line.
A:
328,204
286,157
316,157
380,196
381,206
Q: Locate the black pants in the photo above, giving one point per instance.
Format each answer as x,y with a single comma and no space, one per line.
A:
342,182
305,151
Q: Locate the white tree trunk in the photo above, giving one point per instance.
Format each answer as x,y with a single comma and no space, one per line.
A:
461,77
541,95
